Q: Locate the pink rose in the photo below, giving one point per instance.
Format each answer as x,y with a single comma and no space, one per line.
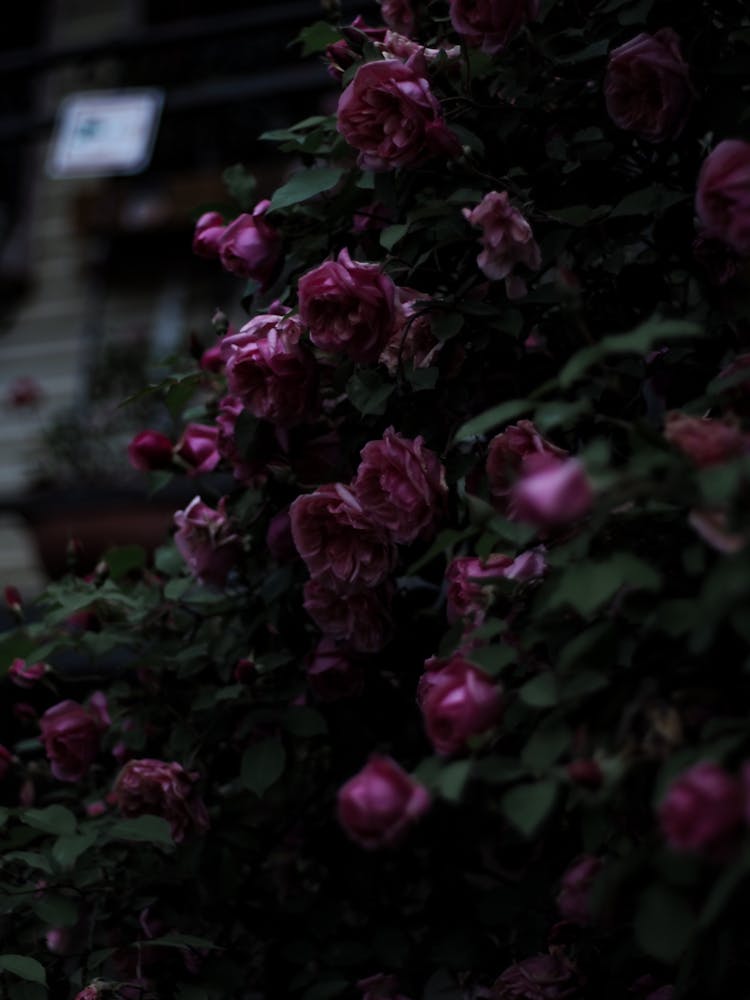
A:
574,898
377,806
206,540
349,307
71,735
270,371
412,344
250,248
458,701
211,359
279,539
491,24
209,232
399,15
6,762
198,448
701,809
542,977
551,492
401,486
150,450
722,200
507,454
647,86
161,789
361,619
506,237
705,441
470,592
26,675
332,674
390,115
338,540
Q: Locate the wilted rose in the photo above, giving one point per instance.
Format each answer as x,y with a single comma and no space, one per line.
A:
71,734
458,701
647,86
361,619
722,200
701,809
207,541
349,306
250,247
159,788
491,24
389,113
507,238
150,450
378,806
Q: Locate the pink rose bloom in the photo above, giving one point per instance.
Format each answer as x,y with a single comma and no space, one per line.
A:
349,307
542,977
458,701
399,15
250,248
270,371
491,24
390,115
506,236
401,486
701,809
150,450
360,619
161,789
378,806
647,86
722,200
507,453
209,231
574,898
412,344
26,675
338,540
198,448
71,735
551,492
470,591
206,540
6,762
705,441
332,674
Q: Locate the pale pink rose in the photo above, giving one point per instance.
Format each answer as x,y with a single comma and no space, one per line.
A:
701,809
26,675
250,247
207,541
507,238
507,453
722,200
150,450
71,734
647,86
541,977
377,807
458,701
574,898
470,591
399,15
361,619
161,789
338,539
551,492
349,306
491,24
412,344
332,674
270,371
198,448
389,113
705,441
401,486
209,231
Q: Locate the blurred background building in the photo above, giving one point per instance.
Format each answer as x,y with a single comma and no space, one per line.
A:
97,280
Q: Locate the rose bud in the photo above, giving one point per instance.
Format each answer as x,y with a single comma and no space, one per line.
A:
206,540
164,789
551,492
211,359
250,247
331,673
26,675
150,450
13,600
458,701
377,806
507,238
71,735
574,898
542,977
585,772
245,671
647,86
209,231
491,24
197,448
722,200
701,809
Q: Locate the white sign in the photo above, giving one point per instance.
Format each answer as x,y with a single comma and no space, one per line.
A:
101,133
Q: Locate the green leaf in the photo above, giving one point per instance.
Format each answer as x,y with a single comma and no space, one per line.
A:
148,829
724,888
25,968
305,721
650,201
493,659
262,765
539,692
4,814
53,819
369,391
68,848
664,923
503,413
587,586
305,185
445,325
390,236
56,910
240,184
581,683
548,741
317,37
178,940
527,806
31,858
124,560
452,779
